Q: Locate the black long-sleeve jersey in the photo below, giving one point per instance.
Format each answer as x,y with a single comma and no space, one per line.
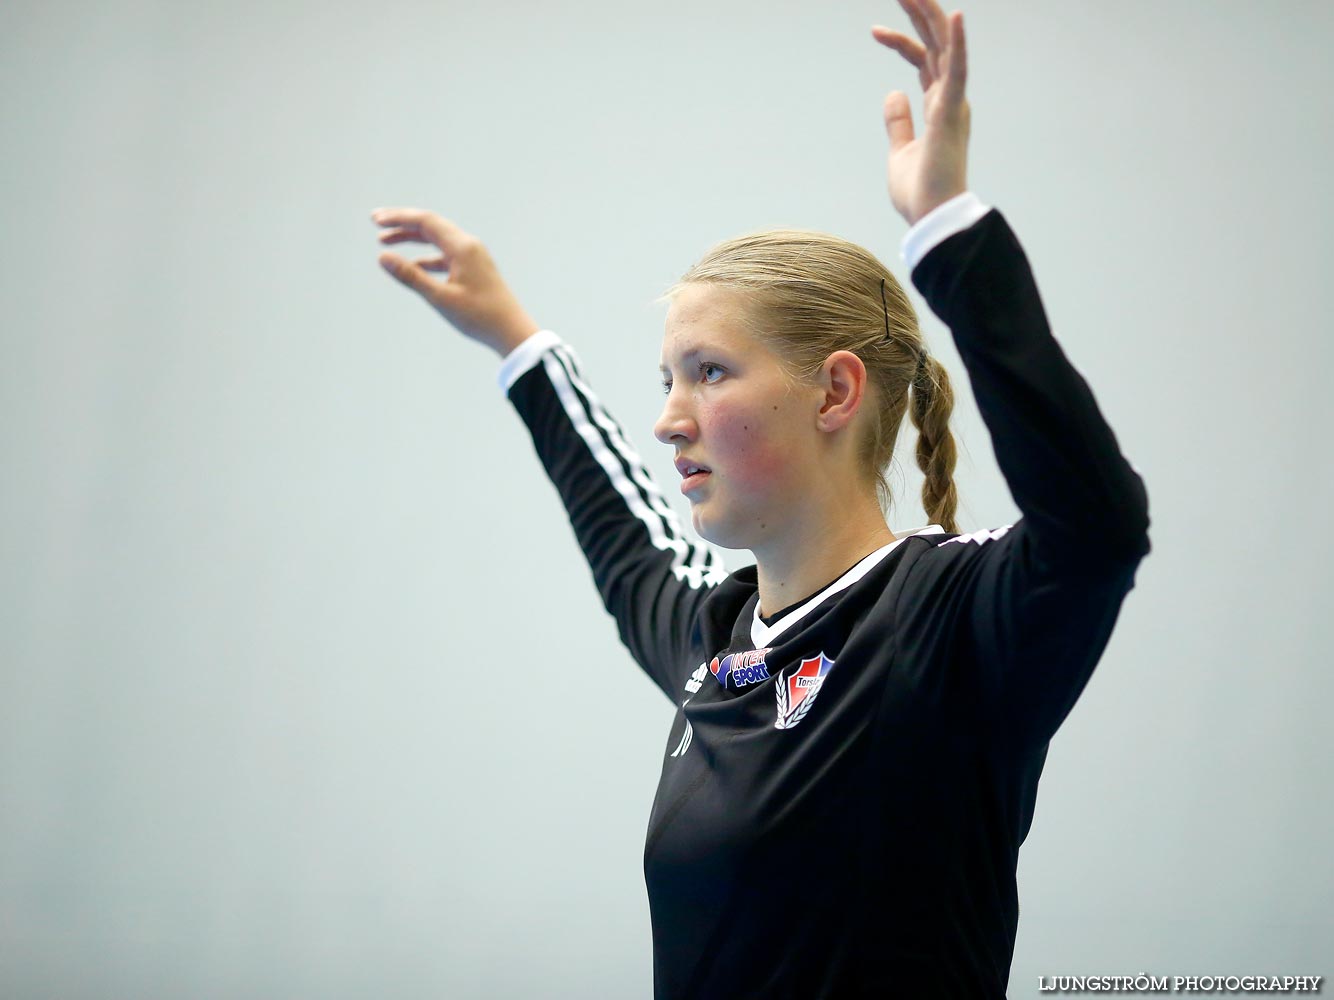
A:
845,787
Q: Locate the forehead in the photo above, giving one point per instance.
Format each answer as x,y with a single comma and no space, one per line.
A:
703,317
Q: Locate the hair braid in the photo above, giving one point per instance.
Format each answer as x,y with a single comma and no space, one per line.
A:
932,402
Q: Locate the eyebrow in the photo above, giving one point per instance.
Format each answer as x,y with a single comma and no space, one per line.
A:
693,351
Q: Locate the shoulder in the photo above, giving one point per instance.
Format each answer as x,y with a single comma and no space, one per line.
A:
943,560
938,543
1010,560
977,538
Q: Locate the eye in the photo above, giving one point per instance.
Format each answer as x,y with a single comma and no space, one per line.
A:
705,367
709,373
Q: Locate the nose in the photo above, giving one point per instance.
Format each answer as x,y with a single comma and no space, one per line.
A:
674,423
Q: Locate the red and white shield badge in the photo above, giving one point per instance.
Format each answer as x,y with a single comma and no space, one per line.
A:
796,690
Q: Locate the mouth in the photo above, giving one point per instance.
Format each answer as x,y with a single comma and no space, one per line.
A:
692,474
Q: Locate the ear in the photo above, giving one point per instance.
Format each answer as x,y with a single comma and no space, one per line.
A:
843,382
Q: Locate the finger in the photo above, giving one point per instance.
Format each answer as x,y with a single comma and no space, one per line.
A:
924,31
910,50
402,236
420,224
935,20
438,264
437,230
409,273
898,120
956,63
902,44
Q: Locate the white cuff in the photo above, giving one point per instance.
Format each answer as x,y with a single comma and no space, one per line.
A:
942,222
523,357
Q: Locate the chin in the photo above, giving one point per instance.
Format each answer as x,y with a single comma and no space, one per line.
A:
719,531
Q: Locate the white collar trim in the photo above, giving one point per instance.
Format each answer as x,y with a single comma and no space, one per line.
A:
763,635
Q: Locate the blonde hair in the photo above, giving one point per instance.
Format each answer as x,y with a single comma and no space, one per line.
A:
809,294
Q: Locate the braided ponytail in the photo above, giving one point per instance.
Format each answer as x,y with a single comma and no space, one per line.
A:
932,403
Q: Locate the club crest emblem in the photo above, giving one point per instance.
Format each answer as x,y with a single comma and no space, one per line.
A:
796,690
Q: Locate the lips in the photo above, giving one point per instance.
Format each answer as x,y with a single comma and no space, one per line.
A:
692,473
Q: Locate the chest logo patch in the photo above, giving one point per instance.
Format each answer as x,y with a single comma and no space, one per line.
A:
736,670
796,689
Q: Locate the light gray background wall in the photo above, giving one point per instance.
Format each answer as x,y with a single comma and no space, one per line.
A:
304,688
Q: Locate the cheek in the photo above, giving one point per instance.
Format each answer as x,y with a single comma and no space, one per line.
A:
745,438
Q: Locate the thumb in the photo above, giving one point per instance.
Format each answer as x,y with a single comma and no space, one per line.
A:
898,120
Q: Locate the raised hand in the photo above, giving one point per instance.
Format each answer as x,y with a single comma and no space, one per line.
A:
473,296
928,170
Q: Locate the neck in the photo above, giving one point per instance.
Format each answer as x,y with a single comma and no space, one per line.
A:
797,564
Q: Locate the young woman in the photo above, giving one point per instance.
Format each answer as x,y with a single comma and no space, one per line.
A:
862,717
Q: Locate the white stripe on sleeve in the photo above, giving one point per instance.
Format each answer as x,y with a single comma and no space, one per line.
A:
698,564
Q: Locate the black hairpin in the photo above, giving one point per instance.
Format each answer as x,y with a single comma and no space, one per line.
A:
886,305
921,351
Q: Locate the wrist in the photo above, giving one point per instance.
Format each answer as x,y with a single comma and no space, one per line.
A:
932,200
937,225
512,334
525,356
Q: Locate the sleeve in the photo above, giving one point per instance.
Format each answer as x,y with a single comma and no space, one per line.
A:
652,579
1035,601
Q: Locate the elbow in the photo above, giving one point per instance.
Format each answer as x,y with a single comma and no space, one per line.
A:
1129,534
1116,524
